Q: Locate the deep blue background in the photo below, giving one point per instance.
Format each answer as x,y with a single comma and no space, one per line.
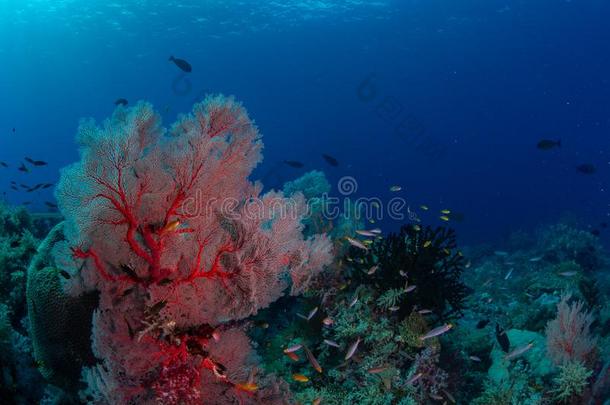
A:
484,80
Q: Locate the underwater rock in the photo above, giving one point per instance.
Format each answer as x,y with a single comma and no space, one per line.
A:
60,325
540,365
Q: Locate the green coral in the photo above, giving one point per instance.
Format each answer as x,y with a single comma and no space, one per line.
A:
312,184
571,381
519,388
60,325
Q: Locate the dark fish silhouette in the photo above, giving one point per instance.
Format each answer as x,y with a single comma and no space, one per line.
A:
482,323
14,188
50,204
47,185
24,169
502,339
13,130
294,163
595,232
586,168
121,101
3,164
181,63
36,162
330,160
547,144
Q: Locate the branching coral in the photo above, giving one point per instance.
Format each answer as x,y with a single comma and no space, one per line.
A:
568,336
181,246
571,381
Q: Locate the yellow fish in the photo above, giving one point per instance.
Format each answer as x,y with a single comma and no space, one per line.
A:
447,252
446,212
300,378
417,228
424,207
427,243
444,218
248,387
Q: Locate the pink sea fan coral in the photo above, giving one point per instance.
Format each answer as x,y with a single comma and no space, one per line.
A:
181,246
567,336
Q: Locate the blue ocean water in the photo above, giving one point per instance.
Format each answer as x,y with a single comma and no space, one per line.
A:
446,99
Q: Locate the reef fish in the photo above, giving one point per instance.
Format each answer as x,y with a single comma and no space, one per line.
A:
294,163
248,387
366,233
395,188
586,168
121,101
502,339
377,370
293,349
352,349
519,351
330,160
356,243
331,343
300,378
414,379
36,162
182,64
437,331
312,360
548,144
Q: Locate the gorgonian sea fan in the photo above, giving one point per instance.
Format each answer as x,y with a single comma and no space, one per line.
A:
181,246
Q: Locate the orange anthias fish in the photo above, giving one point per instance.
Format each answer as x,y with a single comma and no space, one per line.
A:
247,387
300,378
171,226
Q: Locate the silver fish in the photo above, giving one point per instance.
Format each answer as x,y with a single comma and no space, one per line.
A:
372,270
331,343
536,259
519,351
293,349
356,243
352,349
312,313
353,302
410,288
414,378
437,331
568,273
475,358
424,311
510,273
363,232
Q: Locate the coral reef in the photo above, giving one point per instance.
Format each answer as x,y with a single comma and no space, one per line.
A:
181,247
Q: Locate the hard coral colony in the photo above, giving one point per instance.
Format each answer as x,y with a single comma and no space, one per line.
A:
147,225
